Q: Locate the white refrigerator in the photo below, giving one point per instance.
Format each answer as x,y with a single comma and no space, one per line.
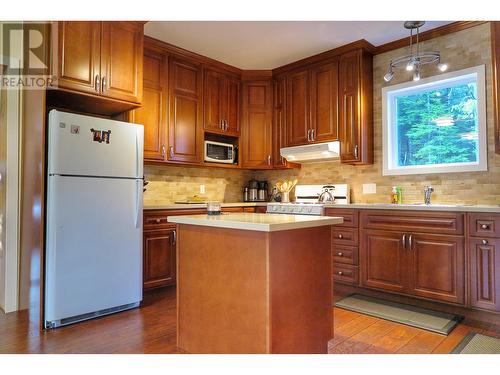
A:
93,254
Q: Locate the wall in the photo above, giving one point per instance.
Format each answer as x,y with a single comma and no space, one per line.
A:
460,50
168,184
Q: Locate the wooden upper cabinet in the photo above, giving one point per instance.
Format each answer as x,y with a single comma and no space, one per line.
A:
152,113
77,62
279,130
100,58
256,133
297,102
355,107
185,129
221,103
121,60
324,102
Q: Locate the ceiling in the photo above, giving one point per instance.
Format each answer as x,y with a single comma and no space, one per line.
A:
270,44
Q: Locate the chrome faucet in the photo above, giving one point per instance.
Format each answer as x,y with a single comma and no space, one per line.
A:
427,194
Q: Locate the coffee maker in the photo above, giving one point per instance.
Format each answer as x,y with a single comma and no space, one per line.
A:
250,193
262,193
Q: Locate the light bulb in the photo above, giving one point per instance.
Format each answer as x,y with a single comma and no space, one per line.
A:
442,67
410,66
416,75
389,75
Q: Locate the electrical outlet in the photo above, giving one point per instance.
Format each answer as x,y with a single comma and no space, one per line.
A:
369,188
202,189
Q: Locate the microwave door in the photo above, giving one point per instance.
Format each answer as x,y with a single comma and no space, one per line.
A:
219,152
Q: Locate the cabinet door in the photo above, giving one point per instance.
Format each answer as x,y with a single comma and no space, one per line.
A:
298,123
185,129
437,267
152,113
159,258
212,98
324,102
279,131
349,123
231,106
256,135
383,260
78,59
484,260
121,60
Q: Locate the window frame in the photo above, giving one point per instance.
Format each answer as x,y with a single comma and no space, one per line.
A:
389,136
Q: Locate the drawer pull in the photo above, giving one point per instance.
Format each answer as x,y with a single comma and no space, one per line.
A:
485,226
158,221
340,273
340,254
485,242
340,236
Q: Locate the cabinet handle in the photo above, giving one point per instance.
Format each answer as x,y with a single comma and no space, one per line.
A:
221,125
340,254
226,126
403,240
340,236
104,86
97,83
308,135
174,237
485,242
158,221
171,149
340,273
410,240
163,152
313,134
268,159
356,151
485,226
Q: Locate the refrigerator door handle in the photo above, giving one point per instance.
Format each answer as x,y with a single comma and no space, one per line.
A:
138,203
137,150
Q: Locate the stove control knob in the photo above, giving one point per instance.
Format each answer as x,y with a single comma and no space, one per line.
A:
275,208
309,209
291,209
300,209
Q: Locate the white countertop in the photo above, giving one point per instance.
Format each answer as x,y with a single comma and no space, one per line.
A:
173,206
256,222
419,207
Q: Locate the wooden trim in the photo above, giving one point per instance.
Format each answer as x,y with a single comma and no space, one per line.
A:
362,43
254,75
161,46
429,34
495,63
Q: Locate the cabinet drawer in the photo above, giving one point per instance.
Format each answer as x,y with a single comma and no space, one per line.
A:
345,274
156,219
484,225
345,254
151,221
249,209
344,236
413,221
350,216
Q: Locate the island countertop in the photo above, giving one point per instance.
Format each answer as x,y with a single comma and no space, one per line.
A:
257,222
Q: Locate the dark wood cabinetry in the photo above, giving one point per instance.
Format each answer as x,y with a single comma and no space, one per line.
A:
355,107
256,148
407,253
100,58
185,131
221,103
152,114
297,108
159,257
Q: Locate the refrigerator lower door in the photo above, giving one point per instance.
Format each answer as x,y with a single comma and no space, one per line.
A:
94,247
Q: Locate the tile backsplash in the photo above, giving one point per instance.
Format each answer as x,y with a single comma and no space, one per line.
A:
168,184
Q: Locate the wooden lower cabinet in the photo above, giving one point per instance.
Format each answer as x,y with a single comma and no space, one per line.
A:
484,262
425,265
383,260
437,267
159,267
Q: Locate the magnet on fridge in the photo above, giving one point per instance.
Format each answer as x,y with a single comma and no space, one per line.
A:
106,135
96,135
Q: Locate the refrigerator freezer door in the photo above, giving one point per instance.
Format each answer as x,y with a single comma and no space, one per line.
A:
94,245
78,145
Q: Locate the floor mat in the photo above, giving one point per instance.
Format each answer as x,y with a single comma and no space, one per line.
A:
430,320
475,343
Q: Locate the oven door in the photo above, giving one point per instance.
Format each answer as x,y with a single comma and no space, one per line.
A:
217,152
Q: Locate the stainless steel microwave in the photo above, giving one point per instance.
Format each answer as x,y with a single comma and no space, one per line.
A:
217,152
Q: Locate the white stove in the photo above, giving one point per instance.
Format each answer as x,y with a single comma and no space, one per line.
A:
306,202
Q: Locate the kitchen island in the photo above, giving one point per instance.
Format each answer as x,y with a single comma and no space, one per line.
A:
254,283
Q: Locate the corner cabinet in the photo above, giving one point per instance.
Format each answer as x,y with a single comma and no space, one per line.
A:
355,107
256,147
99,58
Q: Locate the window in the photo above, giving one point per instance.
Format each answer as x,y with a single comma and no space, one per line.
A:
435,125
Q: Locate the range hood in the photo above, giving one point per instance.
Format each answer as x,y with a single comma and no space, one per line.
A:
314,152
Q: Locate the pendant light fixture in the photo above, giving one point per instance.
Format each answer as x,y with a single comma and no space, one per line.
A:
416,58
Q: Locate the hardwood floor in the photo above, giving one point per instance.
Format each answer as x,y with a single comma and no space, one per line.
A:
152,329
